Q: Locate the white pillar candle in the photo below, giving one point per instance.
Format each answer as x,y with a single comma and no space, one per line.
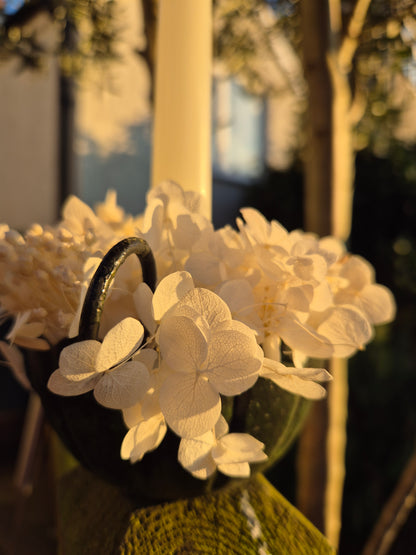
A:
182,121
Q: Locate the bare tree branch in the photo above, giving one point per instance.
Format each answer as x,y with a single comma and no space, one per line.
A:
149,8
351,39
394,513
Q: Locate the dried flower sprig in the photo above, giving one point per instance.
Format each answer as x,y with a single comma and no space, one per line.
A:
227,302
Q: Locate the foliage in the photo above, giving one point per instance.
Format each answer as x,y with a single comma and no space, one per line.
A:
74,30
245,42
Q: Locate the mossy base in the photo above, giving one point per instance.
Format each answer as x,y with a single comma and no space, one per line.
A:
253,518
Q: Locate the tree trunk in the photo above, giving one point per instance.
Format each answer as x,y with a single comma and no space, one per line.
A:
328,185
318,159
311,464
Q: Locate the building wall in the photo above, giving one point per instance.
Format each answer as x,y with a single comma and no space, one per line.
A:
28,145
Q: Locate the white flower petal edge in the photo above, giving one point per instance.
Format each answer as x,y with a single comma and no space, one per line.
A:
119,343
89,364
61,385
190,404
123,387
172,288
230,453
182,344
77,362
144,437
195,455
300,381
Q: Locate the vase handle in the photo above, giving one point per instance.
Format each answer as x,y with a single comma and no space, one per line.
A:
104,276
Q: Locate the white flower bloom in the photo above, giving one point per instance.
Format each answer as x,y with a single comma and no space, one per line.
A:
208,355
233,453
258,231
172,223
109,211
146,436
25,333
230,453
146,423
104,367
300,381
344,327
217,256
274,288
374,300
272,310
42,271
169,291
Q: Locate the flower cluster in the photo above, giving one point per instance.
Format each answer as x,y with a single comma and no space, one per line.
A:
44,270
229,302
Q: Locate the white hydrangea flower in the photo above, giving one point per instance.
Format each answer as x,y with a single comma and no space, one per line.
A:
172,223
208,355
300,381
217,449
42,271
374,300
104,367
227,304
26,332
145,420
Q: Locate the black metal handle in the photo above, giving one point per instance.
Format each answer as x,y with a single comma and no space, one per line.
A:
101,281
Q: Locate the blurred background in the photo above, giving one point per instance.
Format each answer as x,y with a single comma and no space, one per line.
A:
313,123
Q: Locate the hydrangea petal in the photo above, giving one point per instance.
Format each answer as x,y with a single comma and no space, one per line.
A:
358,271
78,361
205,268
147,357
122,387
182,344
133,415
234,361
238,294
119,343
190,404
376,301
195,455
347,329
235,470
237,448
298,386
299,381
322,297
378,304
187,230
303,338
172,288
142,299
61,385
144,437
208,304
221,427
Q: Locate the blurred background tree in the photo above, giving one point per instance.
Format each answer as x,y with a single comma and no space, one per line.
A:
356,59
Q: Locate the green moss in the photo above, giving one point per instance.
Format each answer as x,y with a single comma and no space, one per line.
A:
250,518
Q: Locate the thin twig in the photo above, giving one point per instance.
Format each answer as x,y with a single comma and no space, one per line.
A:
355,27
395,512
336,444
